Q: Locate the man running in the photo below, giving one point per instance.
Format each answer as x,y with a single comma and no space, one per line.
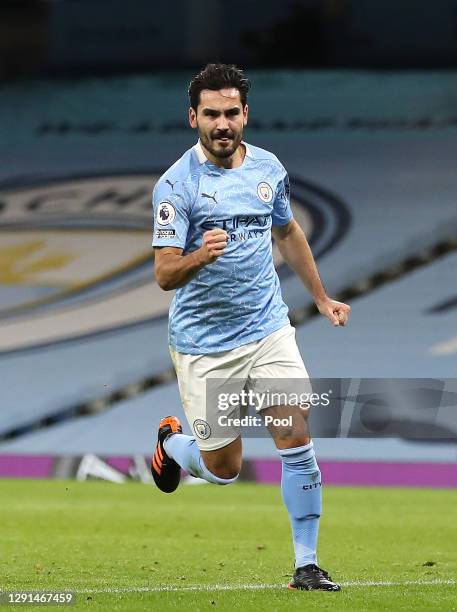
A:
215,211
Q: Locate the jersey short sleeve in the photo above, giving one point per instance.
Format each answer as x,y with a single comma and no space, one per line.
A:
170,216
282,212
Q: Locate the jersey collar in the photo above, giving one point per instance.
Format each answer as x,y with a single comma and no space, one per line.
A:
199,152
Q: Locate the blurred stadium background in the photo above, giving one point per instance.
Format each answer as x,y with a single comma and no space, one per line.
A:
357,99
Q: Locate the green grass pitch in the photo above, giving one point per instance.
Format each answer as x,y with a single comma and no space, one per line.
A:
119,547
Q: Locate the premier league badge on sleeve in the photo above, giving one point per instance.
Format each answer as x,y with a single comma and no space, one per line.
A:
265,192
165,213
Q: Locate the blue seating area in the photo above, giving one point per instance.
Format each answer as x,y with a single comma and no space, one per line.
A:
366,200
392,332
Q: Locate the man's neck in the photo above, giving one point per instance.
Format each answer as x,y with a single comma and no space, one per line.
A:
234,161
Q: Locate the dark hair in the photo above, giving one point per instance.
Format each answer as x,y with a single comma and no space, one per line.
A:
215,77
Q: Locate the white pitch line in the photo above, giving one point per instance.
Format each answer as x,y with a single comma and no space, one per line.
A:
194,587
258,587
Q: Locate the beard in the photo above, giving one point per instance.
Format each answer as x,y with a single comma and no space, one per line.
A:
219,149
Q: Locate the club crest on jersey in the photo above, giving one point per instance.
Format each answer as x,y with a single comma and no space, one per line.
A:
202,429
165,213
265,192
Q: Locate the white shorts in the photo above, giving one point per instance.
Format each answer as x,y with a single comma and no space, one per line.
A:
272,364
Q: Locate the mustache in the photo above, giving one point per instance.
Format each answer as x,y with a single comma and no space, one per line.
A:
222,134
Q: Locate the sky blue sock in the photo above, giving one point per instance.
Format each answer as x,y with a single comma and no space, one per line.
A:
184,450
302,494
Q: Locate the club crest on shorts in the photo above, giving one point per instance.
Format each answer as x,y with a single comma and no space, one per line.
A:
165,213
202,429
265,192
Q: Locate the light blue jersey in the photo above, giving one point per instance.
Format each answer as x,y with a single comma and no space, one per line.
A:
237,299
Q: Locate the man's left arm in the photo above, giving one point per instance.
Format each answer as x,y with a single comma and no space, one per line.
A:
294,248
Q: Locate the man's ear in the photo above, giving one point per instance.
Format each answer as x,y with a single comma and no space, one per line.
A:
192,118
245,115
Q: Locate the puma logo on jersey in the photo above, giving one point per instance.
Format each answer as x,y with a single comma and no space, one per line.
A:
172,185
210,197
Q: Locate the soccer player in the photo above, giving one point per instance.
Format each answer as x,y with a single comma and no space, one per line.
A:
215,211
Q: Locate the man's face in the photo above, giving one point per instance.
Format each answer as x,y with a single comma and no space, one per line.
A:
220,119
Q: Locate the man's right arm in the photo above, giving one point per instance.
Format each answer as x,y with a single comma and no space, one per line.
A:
174,270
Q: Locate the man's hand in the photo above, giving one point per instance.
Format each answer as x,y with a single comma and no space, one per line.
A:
174,270
214,243
336,312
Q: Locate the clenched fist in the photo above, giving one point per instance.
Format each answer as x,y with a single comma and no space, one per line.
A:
214,243
336,312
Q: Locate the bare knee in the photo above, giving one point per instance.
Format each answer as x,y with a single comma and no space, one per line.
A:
289,427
